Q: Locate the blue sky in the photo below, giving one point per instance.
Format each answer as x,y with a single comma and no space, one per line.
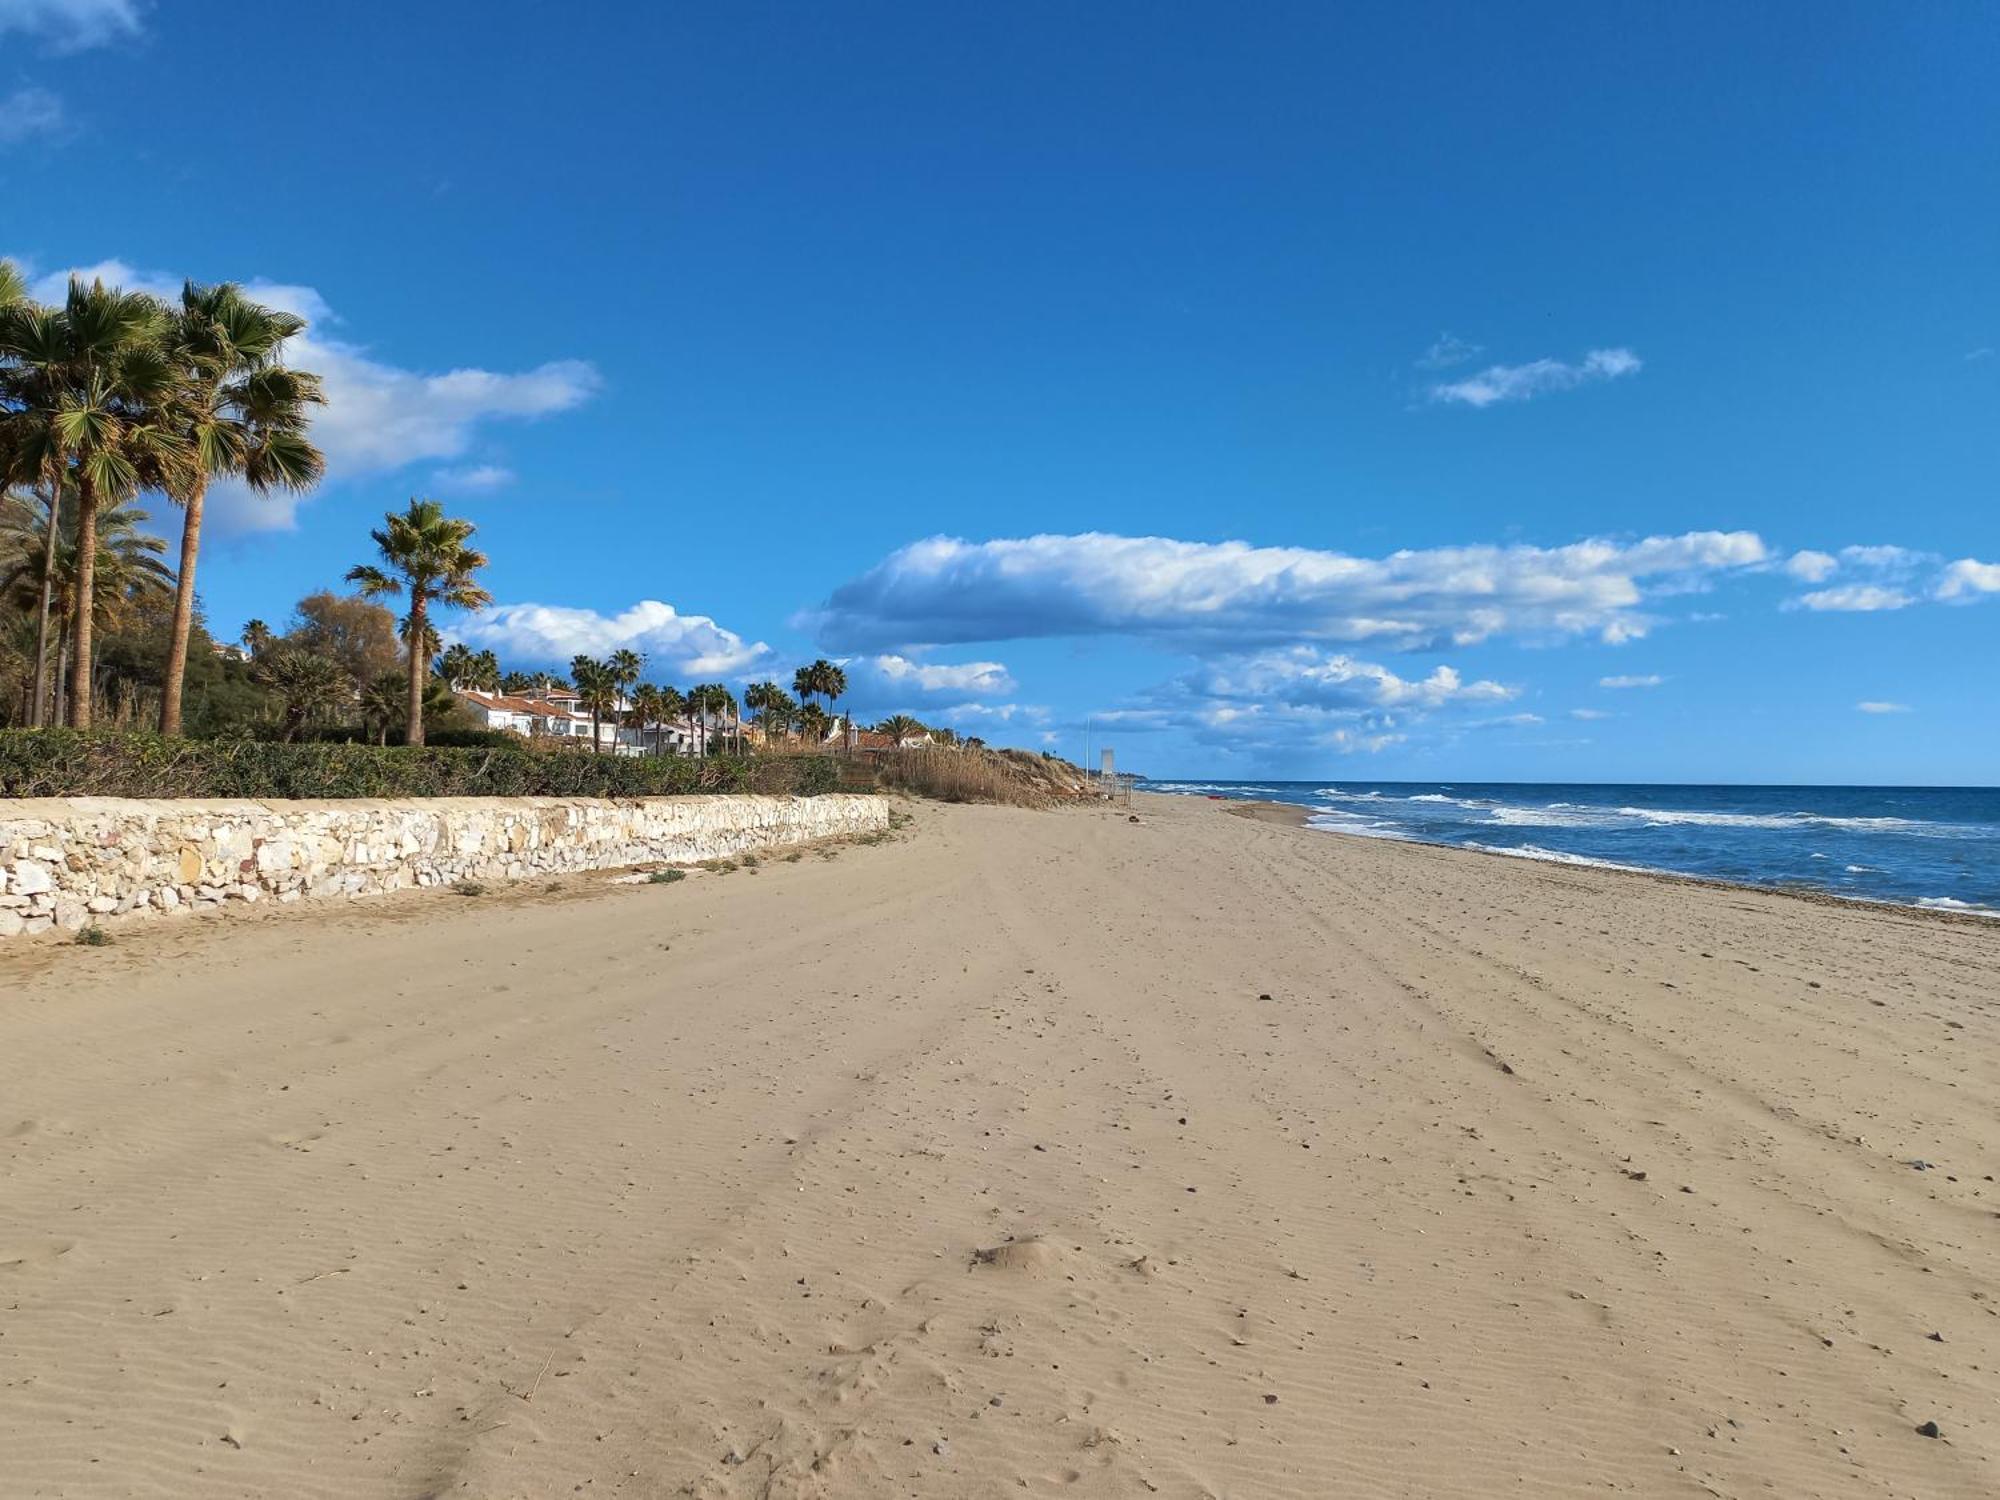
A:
1346,392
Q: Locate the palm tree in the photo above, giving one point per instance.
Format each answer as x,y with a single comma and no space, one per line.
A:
310,685
256,636
814,722
597,691
457,666
429,556
486,672
243,415
383,705
672,704
645,711
823,679
523,682
128,569
773,706
86,388
900,727
712,701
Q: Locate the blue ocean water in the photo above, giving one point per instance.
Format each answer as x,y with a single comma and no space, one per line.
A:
1914,846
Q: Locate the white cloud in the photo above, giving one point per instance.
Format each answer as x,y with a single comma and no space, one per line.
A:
893,674
72,25
378,417
1448,350
1984,351
1498,383
29,112
673,643
473,479
1812,567
1648,680
1234,596
1967,578
1858,597
1304,677
1876,706
1881,558
1589,713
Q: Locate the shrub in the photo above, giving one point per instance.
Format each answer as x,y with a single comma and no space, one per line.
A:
73,763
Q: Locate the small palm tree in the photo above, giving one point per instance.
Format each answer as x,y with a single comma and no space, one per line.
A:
383,705
242,415
309,685
256,636
900,727
486,672
429,556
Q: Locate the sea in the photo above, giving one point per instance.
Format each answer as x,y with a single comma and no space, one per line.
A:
1909,846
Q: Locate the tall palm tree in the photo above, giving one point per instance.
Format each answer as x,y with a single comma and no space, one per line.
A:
88,386
429,556
824,679
243,415
597,691
486,672
256,636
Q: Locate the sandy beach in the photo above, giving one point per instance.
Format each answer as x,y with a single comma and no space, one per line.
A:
1024,1153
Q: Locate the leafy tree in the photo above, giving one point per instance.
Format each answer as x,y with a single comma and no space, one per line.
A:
242,414
429,556
356,632
900,727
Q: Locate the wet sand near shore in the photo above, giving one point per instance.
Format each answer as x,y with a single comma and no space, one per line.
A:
1027,1153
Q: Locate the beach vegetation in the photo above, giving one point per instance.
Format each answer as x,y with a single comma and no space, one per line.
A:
73,763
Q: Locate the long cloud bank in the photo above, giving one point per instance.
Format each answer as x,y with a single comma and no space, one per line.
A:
1200,595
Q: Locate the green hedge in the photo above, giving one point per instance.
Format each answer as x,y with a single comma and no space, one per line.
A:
70,763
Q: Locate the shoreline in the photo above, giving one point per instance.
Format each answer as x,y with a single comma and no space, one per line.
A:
1294,815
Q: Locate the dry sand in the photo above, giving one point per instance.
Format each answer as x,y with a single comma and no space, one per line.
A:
1027,1153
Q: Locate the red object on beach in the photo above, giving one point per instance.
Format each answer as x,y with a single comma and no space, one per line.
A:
1217,797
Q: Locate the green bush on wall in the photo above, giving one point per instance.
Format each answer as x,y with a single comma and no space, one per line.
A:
71,763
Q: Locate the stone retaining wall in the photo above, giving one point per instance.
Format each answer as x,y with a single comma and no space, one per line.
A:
69,862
